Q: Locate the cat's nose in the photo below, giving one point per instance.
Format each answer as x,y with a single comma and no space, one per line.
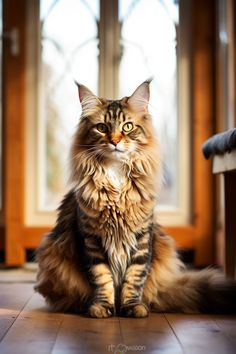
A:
115,139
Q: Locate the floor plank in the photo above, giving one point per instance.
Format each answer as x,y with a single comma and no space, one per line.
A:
227,326
13,298
86,335
201,334
27,326
34,331
150,335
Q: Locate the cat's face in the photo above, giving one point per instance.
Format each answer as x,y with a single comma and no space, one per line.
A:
115,129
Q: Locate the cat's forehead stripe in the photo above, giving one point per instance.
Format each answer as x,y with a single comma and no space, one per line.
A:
114,105
114,109
114,112
107,117
122,116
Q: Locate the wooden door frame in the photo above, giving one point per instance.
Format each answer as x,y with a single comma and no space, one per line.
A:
199,234
14,88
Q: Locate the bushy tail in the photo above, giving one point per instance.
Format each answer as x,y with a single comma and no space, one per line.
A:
205,291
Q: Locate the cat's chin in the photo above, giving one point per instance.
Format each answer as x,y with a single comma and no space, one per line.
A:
118,154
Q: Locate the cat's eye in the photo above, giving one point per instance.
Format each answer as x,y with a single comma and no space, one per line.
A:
127,127
102,128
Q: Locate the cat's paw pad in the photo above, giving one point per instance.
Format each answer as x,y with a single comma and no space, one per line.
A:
100,311
136,310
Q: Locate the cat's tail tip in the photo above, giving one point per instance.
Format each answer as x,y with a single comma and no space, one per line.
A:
219,297
205,291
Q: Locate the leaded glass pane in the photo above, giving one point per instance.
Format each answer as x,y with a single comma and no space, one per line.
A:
148,39
69,51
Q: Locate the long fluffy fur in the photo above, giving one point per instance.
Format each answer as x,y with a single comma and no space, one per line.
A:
106,252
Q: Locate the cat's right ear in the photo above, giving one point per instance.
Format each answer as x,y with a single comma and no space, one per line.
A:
139,100
87,99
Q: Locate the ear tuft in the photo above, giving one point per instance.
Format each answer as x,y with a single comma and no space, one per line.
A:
89,101
139,100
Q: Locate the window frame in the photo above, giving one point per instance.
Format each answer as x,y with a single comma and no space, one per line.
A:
110,52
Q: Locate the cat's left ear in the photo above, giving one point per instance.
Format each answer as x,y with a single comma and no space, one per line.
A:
139,100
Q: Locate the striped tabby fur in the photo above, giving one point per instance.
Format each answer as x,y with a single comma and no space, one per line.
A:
106,253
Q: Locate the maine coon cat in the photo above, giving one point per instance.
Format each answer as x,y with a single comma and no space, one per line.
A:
106,254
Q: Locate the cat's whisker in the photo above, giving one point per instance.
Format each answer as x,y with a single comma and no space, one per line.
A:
86,145
90,154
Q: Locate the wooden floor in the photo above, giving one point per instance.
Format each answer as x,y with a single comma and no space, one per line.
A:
27,327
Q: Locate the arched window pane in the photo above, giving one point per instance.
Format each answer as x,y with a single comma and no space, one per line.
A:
66,49
148,38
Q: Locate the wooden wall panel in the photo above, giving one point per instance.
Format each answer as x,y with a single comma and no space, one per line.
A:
203,126
13,131
200,233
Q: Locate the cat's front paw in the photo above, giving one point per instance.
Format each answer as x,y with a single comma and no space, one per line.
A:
98,310
138,310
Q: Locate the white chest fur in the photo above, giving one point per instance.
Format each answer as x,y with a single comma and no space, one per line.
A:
115,175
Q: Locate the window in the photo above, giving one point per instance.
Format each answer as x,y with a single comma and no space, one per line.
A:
118,42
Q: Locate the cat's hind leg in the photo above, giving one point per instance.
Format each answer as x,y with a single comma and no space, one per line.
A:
59,279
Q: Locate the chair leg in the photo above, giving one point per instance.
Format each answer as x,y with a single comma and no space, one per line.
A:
230,223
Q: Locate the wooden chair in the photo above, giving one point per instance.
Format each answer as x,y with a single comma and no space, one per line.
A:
222,147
